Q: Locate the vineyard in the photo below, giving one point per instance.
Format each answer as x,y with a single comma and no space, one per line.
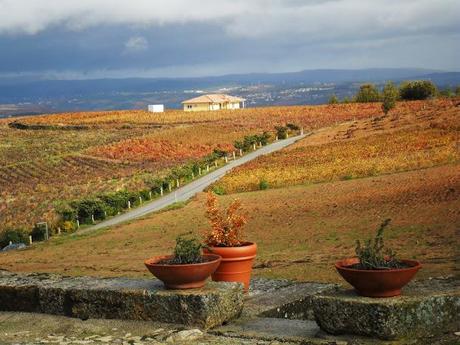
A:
123,150
399,142
325,203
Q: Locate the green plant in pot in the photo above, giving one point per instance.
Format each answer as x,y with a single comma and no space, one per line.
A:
187,267
225,238
376,271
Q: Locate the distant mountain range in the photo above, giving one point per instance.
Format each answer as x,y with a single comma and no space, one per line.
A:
29,95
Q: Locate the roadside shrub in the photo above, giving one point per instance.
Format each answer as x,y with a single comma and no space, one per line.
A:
145,194
219,153
38,233
155,185
19,235
367,93
66,212
263,138
281,132
417,90
263,184
292,127
115,202
68,226
87,207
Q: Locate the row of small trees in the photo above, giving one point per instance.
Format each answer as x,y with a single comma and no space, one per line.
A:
99,207
407,90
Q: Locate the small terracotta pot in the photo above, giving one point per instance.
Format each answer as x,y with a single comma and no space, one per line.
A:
236,264
377,283
188,276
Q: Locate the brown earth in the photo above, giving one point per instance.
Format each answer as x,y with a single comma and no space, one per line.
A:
300,230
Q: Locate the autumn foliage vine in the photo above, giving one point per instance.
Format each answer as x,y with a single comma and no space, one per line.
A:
226,225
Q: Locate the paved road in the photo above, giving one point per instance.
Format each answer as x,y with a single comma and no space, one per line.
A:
189,190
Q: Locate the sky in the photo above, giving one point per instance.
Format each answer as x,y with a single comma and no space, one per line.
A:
70,39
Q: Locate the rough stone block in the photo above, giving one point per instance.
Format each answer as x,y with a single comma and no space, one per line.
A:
428,307
120,298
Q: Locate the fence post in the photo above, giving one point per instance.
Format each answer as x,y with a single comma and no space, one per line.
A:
30,239
260,144
301,131
276,138
199,170
234,155
193,175
287,135
241,152
169,186
207,168
92,218
177,183
129,204
254,146
59,230
161,190
226,159
140,199
150,194
78,224
215,164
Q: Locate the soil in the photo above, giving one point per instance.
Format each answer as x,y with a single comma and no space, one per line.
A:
173,261
395,265
300,231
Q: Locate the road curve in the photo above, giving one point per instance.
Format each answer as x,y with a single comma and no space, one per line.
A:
189,190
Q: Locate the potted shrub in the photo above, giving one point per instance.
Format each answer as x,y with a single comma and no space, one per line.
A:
376,272
225,239
187,268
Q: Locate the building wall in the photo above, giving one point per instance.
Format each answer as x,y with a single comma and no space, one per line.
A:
196,107
211,106
233,105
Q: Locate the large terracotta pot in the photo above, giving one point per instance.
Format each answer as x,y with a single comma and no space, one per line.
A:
186,276
236,264
377,283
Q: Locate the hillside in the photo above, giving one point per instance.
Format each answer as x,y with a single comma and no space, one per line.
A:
103,152
332,188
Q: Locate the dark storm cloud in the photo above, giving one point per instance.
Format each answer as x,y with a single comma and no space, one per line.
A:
87,38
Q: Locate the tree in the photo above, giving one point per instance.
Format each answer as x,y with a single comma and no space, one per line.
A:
457,91
346,99
333,99
390,96
367,93
417,89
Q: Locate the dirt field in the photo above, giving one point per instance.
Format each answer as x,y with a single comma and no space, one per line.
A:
300,230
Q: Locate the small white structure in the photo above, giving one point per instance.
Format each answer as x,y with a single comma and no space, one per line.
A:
156,108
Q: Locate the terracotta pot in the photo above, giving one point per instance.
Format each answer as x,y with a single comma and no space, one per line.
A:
377,283
236,264
186,276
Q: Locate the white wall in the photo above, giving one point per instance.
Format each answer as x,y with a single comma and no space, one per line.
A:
156,108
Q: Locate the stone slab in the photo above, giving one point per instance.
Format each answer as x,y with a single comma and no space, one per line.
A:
425,308
120,298
283,298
